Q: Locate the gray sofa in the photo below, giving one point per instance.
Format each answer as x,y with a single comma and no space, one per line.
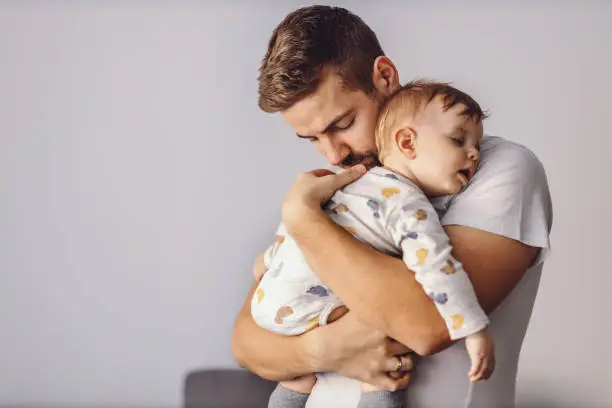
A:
225,388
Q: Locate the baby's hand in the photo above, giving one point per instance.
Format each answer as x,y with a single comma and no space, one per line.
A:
482,355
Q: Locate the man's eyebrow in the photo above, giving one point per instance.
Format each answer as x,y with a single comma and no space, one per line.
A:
331,125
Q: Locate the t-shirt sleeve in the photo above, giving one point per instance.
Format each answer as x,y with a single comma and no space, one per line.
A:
508,196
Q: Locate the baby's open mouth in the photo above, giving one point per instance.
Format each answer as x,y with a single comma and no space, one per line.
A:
466,174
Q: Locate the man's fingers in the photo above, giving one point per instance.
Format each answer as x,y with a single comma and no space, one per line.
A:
403,382
348,176
385,382
322,172
395,348
390,384
393,363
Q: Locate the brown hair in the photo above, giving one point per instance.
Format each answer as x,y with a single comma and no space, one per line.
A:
409,100
307,44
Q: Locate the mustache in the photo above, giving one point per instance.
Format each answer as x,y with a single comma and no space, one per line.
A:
353,159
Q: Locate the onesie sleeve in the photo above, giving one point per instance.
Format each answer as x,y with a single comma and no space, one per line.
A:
415,228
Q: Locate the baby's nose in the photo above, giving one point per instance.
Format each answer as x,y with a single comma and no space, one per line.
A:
474,155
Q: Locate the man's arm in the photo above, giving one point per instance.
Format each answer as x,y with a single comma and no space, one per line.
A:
258,350
508,196
384,293
381,290
364,353
494,263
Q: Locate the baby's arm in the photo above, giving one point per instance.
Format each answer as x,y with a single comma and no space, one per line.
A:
416,230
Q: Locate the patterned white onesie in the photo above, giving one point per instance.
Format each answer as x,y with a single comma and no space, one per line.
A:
391,214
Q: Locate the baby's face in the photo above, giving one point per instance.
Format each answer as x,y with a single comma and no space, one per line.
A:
447,149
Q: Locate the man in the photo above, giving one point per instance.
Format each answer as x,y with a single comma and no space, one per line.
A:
326,73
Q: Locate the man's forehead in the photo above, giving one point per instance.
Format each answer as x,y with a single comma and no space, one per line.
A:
316,111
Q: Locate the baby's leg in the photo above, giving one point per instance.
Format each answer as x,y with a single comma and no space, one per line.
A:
374,397
293,393
371,396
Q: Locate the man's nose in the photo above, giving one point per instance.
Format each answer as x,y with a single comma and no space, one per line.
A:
336,153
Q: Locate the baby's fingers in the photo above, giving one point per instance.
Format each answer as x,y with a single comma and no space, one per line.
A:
477,363
484,371
489,368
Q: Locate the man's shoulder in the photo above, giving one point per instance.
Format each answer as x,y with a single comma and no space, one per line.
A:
507,163
509,194
495,148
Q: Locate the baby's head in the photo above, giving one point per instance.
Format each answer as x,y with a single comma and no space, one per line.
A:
430,132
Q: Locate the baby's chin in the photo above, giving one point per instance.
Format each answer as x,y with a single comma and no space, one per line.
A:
441,191
455,189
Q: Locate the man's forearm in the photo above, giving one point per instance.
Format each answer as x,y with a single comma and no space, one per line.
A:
382,292
378,288
269,355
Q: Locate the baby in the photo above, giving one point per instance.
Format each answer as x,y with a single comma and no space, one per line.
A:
428,136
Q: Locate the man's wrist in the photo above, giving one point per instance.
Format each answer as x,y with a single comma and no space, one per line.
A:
318,346
312,351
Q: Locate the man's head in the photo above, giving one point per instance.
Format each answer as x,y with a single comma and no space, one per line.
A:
431,132
326,73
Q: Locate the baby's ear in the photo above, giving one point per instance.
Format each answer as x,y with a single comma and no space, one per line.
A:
405,140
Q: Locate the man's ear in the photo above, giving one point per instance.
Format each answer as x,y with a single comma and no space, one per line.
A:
405,140
384,76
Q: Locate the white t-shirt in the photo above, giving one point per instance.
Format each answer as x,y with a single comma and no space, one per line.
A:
508,196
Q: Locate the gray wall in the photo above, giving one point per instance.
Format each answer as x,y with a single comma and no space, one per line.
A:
139,181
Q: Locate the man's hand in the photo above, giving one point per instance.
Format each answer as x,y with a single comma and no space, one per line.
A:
314,188
364,353
346,346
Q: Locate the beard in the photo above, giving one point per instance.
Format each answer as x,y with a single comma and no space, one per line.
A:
369,160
